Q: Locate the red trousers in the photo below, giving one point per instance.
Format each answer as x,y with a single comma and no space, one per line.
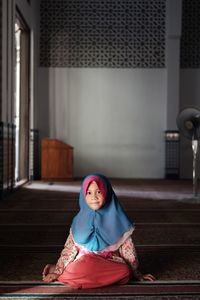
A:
91,271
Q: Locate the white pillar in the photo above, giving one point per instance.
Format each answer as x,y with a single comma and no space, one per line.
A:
173,35
8,64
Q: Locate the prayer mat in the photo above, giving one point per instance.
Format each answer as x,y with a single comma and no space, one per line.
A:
145,290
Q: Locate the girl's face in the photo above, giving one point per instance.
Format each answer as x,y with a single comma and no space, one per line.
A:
94,197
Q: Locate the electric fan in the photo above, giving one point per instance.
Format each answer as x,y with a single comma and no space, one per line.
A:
188,122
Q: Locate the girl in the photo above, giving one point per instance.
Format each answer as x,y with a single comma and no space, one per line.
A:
99,250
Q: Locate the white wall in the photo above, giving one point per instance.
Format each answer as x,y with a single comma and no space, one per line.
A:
114,118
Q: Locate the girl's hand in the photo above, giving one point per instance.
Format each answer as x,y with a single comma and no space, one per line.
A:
50,277
147,277
48,269
48,274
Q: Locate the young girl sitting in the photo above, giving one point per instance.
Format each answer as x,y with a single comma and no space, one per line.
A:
99,250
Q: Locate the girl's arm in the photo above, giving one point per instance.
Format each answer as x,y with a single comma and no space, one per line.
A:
67,255
129,254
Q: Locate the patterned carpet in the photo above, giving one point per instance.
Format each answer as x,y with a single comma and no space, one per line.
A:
35,219
158,290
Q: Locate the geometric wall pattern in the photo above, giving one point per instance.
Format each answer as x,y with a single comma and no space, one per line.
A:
190,38
102,33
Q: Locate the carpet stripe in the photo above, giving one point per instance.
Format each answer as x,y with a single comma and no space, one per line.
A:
50,290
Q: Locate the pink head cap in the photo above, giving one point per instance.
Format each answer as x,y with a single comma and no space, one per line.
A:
99,182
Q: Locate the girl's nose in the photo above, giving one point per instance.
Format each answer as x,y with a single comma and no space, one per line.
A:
94,196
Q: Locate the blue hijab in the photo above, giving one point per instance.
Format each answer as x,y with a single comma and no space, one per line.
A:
96,230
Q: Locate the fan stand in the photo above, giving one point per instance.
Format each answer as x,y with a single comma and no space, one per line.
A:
195,146
188,122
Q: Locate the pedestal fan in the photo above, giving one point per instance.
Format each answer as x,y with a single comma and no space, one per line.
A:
188,122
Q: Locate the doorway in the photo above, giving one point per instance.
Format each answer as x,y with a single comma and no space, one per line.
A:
22,99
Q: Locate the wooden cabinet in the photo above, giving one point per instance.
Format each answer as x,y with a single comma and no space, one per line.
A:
57,160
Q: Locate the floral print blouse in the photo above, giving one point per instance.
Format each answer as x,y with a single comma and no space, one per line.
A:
125,254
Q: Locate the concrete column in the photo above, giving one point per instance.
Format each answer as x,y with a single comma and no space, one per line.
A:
173,35
8,64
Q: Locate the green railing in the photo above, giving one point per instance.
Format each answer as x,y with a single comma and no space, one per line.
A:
7,158
34,155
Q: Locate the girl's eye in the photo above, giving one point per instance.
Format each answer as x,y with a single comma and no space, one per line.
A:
99,192
88,193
